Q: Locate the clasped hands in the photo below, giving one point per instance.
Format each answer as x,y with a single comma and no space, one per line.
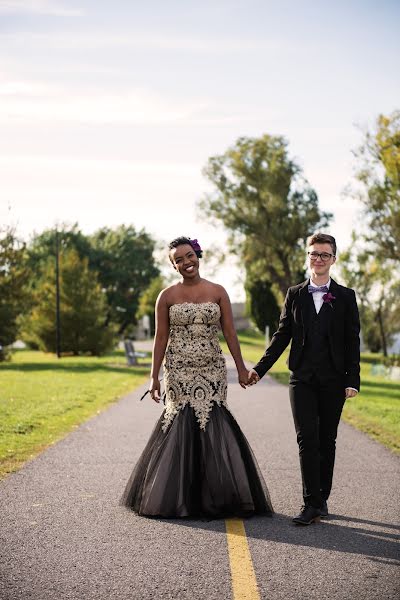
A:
247,378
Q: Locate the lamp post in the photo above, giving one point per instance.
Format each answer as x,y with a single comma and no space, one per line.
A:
58,328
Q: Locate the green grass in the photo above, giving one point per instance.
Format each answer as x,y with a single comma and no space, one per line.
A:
42,398
375,410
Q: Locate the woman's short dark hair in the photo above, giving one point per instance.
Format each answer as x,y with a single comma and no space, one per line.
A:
322,238
180,241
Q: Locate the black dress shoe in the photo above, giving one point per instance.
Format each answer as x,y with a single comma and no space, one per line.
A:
308,515
324,509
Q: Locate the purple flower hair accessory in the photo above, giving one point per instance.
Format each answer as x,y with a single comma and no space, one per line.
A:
328,297
195,245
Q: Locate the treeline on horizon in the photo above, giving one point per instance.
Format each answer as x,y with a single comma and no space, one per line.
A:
268,208
102,278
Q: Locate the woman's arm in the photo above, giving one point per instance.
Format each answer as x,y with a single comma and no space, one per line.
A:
228,329
160,344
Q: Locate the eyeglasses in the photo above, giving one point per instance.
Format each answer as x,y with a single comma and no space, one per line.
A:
324,256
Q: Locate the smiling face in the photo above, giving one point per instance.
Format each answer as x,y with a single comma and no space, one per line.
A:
185,261
320,268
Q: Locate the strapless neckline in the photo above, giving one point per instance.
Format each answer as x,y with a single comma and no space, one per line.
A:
193,303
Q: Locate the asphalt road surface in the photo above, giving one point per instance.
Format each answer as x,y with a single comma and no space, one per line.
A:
64,536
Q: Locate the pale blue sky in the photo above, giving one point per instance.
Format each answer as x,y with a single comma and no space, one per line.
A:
109,111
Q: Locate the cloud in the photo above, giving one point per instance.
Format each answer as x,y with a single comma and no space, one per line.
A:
43,7
31,102
22,88
24,101
36,166
143,40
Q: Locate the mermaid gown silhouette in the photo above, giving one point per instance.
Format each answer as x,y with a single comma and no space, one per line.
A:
197,462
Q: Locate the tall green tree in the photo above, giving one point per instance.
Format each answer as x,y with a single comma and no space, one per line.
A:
378,173
43,245
262,305
123,258
266,205
13,291
371,263
83,309
378,292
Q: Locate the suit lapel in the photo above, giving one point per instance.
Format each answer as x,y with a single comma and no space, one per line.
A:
335,291
306,305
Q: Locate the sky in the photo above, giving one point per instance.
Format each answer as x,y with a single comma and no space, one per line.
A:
110,110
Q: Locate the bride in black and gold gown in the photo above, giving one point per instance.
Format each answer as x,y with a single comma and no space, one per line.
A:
197,462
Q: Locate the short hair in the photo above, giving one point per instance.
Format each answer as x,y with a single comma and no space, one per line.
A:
322,238
180,241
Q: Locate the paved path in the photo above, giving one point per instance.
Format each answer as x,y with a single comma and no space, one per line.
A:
63,535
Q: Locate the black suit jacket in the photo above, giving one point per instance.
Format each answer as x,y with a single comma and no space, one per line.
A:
294,323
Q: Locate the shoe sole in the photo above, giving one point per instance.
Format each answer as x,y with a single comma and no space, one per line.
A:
298,522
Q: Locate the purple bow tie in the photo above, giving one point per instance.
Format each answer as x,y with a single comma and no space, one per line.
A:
322,288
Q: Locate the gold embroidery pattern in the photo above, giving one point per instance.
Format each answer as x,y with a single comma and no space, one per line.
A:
194,367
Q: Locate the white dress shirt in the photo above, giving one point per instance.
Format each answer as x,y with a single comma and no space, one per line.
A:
317,296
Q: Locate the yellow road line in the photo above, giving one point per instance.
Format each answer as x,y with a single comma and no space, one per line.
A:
244,583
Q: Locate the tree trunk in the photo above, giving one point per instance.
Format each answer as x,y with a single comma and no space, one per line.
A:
123,327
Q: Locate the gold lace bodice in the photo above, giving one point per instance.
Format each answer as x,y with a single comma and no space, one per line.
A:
194,367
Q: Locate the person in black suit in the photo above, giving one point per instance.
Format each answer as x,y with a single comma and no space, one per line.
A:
321,319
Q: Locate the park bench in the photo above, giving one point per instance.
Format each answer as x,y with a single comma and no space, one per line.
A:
131,354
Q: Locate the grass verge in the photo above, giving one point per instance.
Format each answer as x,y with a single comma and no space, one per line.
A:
375,410
42,398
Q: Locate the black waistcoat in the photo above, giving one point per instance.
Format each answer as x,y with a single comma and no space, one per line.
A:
316,357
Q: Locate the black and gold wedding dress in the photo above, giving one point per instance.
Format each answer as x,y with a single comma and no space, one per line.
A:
197,462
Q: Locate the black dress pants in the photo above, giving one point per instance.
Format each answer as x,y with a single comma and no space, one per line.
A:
316,408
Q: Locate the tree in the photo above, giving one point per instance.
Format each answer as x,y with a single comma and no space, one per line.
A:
124,261
378,172
148,300
262,304
378,295
43,245
83,309
13,292
267,206
371,264
122,258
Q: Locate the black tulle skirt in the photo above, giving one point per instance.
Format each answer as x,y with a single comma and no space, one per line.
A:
188,472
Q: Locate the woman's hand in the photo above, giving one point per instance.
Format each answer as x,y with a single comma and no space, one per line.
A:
253,377
155,389
243,377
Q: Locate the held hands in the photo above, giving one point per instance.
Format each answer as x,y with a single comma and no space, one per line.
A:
247,378
253,377
243,377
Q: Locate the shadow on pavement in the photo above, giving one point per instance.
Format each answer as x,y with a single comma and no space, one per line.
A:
373,543
366,521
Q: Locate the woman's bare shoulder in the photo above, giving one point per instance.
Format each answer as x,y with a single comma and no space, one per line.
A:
218,291
169,294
